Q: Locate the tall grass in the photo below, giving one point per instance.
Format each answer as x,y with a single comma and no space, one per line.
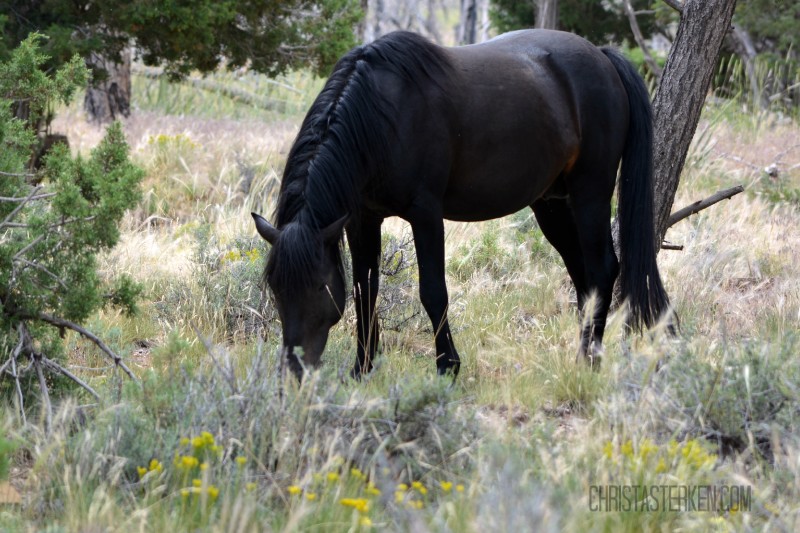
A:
516,443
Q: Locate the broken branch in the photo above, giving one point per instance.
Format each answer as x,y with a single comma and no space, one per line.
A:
60,322
698,206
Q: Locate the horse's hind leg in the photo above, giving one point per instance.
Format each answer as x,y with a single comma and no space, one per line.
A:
558,226
590,203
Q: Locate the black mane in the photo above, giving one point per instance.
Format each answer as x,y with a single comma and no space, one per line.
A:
343,141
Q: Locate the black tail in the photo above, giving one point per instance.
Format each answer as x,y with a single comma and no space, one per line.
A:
639,279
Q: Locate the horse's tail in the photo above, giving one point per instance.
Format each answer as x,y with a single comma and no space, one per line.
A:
639,279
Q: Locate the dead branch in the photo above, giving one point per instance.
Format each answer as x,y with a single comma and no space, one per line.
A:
55,366
7,221
669,246
60,322
637,35
45,394
698,206
21,199
674,4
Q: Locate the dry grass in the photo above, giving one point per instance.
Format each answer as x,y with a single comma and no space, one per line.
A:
525,429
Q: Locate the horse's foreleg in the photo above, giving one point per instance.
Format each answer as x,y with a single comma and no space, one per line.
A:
428,229
364,239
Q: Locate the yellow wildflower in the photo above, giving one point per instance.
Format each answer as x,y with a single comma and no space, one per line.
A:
399,496
250,487
213,492
446,485
187,462
356,473
185,493
459,488
197,482
647,448
372,490
420,487
661,466
203,466
402,486
294,489
359,504
155,465
627,449
184,441
608,449
198,442
333,476
241,460
365,521
311,496
142,471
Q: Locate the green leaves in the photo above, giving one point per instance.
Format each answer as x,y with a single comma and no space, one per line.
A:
54,223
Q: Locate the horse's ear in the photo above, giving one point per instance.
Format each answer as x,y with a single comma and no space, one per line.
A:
333,231
265,229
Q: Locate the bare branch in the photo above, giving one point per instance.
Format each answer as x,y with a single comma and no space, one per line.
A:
45,270
691,209
17,174
30,245
669,246
7,221
19,389
60,322
45,394
674,4
55,366
637,34
38,197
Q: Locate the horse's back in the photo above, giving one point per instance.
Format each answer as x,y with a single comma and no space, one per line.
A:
530,105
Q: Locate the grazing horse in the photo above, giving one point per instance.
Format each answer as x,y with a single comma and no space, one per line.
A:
403,127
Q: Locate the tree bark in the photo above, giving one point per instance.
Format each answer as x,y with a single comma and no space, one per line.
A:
681,94
547,14
469,22
109,98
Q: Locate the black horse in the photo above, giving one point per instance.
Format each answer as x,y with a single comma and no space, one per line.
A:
406,128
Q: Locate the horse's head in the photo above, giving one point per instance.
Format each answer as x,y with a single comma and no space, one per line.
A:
305,275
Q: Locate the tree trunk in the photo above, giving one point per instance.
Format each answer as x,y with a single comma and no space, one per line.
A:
745,49
681,94
109,98
547,14
469,22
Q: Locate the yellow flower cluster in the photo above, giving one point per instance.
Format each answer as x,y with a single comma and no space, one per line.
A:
690,453
359,504
231,256
154,466
197,490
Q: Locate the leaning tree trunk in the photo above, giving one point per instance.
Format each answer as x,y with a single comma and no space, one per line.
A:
109,97
681,93
547,14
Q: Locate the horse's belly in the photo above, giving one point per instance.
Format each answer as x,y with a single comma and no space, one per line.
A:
492,196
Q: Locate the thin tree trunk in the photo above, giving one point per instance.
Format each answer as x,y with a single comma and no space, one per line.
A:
637,35
681,94
469,22
547,14
747,52
109,98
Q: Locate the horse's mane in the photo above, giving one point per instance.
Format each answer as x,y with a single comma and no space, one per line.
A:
344,141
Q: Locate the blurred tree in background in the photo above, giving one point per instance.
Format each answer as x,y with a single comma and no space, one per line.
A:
268,36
